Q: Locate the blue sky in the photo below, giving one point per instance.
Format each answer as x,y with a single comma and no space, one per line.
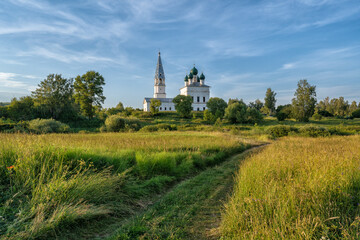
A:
243,47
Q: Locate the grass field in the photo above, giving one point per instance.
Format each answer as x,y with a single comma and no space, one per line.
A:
298,188
69,181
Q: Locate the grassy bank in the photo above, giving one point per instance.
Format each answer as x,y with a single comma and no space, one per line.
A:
53,183
298,188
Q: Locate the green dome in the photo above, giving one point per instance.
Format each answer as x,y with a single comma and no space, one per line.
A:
202,76
194,71
198,79
190,75
186,78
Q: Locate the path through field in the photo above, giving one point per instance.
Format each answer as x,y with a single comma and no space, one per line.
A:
191,210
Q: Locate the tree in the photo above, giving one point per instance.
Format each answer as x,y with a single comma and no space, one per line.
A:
89,92
216,107
353,107
235,100
270,101
183,105
257,104
53,97
154,106
283,112
22,109
304,102
236,112
115,110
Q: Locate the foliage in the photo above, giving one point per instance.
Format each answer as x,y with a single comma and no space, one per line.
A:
304,102
183,105
280,130
335,107
115,110
54,96
22,109
114,123
270,101
297,187
281,116
313,131
216,107
48,126
257,104
238,112
356,113
317,116
154,106
89,92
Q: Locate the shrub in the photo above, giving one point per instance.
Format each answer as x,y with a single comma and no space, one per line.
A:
356,113
317,116
48,126
114,123
280,130
281,116
314,131
149,128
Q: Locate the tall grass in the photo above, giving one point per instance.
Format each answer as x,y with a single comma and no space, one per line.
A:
298,188
53,182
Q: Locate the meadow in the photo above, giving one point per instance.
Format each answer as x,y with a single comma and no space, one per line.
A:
297,188
60,184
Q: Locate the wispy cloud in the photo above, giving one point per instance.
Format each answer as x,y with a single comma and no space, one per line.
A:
10,80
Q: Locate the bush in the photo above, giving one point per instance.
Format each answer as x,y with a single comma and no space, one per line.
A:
356,113
280,130
317,116
48,126
281,116
114,123
149,128
314,131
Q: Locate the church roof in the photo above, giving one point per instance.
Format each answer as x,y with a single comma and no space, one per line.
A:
159,73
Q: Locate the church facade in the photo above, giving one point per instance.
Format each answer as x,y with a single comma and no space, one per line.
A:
194,87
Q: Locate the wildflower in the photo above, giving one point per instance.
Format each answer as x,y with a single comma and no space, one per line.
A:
11,167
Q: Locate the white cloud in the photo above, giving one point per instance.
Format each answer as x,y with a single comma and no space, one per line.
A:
10,80
288,66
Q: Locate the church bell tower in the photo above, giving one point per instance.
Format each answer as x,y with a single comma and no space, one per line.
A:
159,85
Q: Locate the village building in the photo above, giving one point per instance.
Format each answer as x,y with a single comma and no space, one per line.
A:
194,86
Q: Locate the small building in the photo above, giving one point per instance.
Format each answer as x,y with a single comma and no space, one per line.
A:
194,87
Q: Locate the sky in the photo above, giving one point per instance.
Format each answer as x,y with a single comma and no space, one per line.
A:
243,47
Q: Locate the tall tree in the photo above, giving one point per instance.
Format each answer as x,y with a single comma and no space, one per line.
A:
257,104
89,92
54,96
22,109
353,107
183,105
303,104
270,101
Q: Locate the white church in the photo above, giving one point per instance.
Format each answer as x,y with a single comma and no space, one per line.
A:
194,87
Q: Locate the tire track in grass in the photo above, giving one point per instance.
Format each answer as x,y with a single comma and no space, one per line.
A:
191,210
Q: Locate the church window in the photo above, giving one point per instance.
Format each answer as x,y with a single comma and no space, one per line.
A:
204,108
170,108
204,99
198,99
192,98
165,108
198,109
160,108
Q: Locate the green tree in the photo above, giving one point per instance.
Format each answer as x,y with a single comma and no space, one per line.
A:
183,105
270,101
216,107
353,107
115,110
22,109
303,104
89,92
53,97
257,104
236,112
154,106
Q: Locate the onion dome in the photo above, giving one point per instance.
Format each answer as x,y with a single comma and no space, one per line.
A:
190,75
202,76
186,78
194,71
198,79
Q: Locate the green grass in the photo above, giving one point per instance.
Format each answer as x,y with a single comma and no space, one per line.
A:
189,211
297,188
56,182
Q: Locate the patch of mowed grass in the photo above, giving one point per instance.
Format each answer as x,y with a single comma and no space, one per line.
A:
297,188
50,183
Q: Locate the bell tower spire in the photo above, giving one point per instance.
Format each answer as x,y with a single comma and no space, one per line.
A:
159,83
